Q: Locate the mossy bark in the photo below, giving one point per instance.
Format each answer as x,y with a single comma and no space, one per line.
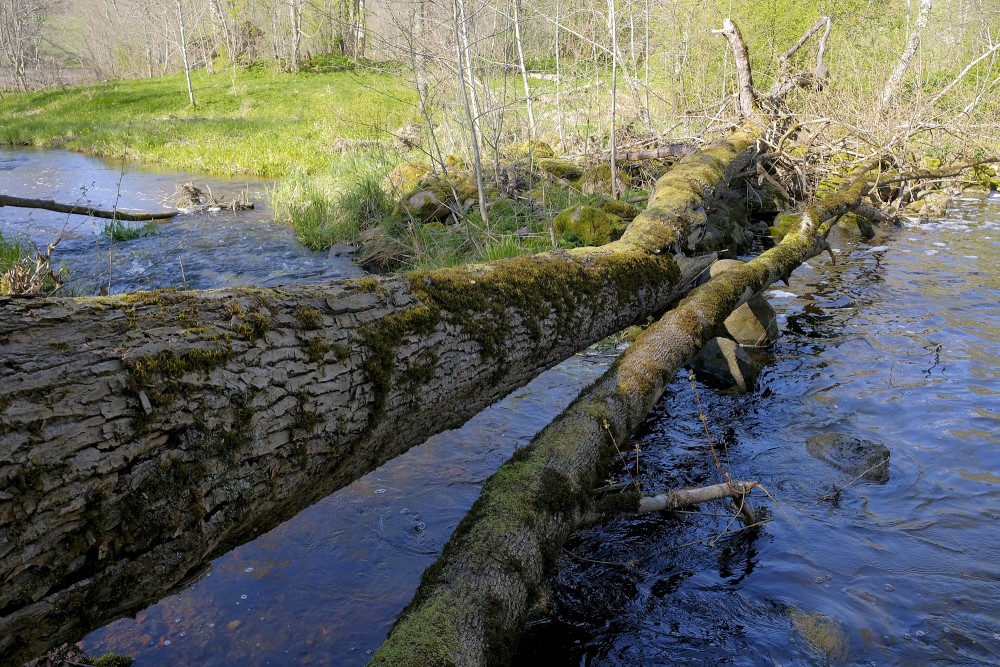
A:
143,434
472,602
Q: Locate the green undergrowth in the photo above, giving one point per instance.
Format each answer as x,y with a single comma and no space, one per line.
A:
335,204
118,230
254,121
11,250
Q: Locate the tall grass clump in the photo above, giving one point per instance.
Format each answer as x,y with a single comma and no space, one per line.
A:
119,230
335,206
11,250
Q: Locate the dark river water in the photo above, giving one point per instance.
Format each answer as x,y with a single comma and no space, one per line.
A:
897,343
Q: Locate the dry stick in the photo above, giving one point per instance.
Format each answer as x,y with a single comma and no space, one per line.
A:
674,499
745,509
744,76
49,205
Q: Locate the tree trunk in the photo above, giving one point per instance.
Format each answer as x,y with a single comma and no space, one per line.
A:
896,78
295,17
464,63
143,434
472,602
524,70
184,52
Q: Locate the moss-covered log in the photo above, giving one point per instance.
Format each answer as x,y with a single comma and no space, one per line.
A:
143,434
472,602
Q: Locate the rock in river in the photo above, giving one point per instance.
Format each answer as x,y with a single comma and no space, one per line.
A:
855,456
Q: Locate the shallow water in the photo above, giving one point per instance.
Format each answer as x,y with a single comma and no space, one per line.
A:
899,344
323,588
194,251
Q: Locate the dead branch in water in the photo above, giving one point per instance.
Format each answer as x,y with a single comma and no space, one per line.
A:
115,214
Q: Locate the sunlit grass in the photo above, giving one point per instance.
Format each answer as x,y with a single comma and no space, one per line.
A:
257,121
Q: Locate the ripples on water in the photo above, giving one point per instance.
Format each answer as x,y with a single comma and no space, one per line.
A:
323,588
899,344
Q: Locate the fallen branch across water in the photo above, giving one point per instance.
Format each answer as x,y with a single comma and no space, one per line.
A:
115,214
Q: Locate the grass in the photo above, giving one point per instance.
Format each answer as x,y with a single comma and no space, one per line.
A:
118,230
256,121
334,205
11,251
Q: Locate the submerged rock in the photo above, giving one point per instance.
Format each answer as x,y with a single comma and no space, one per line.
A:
856,456
933,204
823,635
722,363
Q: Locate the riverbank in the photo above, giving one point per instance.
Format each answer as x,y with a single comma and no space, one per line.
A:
255,121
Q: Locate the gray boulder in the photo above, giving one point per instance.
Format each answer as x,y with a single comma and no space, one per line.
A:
722,363
754,324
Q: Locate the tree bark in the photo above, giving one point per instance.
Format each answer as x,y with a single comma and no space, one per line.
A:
49,205
896,78
472,602
143,434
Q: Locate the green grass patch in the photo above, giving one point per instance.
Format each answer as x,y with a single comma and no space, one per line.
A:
334,206
11,250
255,121
118,230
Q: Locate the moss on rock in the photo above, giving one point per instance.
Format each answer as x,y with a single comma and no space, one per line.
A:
589,225
622,209
406,178
597,180
560,168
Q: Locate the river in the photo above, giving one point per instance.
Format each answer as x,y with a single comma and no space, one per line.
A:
196,251
898,343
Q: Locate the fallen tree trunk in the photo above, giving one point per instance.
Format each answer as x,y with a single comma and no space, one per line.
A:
49,205
472,602
143,434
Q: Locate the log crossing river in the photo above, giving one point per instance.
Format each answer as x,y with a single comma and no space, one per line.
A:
898,343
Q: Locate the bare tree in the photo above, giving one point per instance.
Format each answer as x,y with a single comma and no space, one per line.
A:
184,52
892,85
22,25
295,16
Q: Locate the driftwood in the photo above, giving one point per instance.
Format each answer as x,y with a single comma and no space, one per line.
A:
49,205
189,198
674,499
